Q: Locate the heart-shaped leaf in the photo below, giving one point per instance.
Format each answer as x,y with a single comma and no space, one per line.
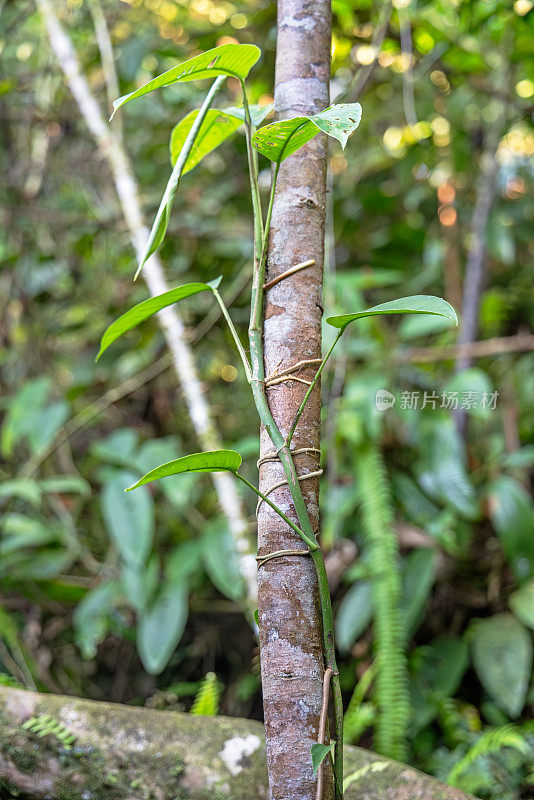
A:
216,127
416,304
318,754
212,461
233,60
281,139
148,308
502,657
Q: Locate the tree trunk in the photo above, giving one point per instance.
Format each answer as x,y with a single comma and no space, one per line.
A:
290,627
127,753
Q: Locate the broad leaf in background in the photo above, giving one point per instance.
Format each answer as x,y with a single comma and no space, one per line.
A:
511,512
522,604
472,383
418,578
416,304
234,60
31,419
281,139
211,461
216,127
142,311
91,617
221,559
318,754
161,627
140,582
442,471
437,670
502,657
129,518
354,614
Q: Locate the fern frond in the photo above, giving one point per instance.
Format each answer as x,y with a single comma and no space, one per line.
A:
391,684
489,742
359,715
372,768
46,725
207,698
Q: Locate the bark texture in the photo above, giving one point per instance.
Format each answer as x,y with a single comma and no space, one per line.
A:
127,753
290,628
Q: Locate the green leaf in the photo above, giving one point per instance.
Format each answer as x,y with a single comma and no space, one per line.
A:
511,512
522,604
66,484
24,488
22,410
221,559
216,127
318,754
146,309
256,615
502,657
234,60
129,518
281,139
418,579
211,461
160,629
416,304
354,614
91,617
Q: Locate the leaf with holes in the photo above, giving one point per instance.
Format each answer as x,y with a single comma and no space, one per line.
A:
212,461
216,127
318,754
281,139
148,308
416,304
233,60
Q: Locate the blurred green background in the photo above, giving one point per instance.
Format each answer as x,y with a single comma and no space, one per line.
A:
83,567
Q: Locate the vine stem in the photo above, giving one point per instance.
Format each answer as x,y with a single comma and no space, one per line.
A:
312,544
261,240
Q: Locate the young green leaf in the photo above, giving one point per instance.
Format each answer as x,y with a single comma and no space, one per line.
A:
148,308
318,754
233,60
281,139
216,127
417,304
212,461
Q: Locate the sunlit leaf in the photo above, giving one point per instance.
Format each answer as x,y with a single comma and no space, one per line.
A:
160,629
502,657
216,127
211,461
234,60
281,139
318,754
416,304
142,311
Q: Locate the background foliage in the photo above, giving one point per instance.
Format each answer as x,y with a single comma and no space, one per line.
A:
101,589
